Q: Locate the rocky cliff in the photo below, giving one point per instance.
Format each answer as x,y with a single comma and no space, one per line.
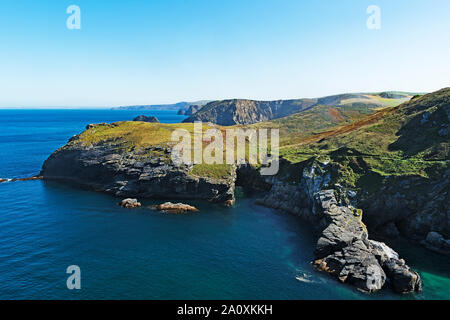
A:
147,172
239,111
396,166
193,109
344,249
244,111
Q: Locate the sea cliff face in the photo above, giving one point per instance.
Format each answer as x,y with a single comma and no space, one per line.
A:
148,172
412,207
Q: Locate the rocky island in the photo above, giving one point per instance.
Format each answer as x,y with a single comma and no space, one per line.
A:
146,119
344,168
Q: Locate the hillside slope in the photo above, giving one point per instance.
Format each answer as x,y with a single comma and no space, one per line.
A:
395,162
242,111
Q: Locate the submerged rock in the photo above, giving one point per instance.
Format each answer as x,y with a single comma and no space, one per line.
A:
170,207
130,203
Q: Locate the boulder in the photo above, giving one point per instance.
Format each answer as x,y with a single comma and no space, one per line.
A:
176,208
130,203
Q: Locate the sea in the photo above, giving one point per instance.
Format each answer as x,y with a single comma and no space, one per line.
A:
244,252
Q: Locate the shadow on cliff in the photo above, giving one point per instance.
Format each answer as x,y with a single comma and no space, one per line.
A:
424,131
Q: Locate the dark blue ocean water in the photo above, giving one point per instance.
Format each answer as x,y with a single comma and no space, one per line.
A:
247,252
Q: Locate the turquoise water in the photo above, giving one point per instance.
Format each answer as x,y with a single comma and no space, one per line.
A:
247,252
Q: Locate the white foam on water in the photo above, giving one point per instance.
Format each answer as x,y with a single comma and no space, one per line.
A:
304,278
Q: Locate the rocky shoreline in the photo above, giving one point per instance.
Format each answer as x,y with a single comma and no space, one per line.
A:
380,170
343,249
133,174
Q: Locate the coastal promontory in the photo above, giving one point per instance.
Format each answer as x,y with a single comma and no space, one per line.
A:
346,170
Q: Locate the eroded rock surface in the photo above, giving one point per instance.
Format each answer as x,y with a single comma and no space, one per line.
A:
143,173
345,251
170,207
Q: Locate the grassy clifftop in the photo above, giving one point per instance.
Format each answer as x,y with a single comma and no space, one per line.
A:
409,139
413,129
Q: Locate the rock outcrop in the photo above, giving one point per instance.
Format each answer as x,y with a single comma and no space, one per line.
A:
143,173
110,165
130,203
146,119
343,249
176,208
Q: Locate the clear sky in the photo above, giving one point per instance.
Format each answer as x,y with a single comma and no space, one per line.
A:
165,51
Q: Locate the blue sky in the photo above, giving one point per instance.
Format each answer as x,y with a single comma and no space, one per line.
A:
144,52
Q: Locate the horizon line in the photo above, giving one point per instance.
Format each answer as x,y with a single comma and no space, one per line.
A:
186,101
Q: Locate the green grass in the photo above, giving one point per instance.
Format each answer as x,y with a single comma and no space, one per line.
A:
215,171
392,143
